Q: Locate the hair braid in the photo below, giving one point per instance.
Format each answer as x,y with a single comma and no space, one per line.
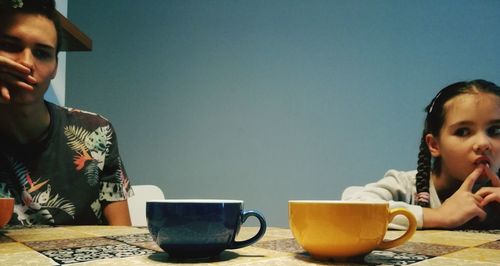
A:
423,173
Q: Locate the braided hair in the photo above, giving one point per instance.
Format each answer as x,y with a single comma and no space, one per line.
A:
433,122
46,8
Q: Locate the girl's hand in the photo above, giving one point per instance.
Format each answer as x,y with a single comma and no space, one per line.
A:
490,194
13,76
458,209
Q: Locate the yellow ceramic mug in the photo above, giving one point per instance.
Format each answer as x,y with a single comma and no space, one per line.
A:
341,229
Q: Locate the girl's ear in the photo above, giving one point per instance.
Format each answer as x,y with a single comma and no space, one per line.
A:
432,145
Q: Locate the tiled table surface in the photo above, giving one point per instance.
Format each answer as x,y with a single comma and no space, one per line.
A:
114,245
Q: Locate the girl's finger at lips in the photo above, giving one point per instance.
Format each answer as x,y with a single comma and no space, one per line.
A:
471,179
492,176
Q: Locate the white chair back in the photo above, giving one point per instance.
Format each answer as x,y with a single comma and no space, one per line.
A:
137,203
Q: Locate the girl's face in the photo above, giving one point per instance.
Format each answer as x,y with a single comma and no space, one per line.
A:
30,40
469,136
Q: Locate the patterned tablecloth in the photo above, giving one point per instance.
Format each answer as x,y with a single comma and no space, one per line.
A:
115,245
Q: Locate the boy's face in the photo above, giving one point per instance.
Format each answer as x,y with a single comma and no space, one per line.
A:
29,40
470,135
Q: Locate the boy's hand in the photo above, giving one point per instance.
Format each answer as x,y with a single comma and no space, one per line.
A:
14,76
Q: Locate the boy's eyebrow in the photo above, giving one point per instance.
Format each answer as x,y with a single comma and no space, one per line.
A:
8,37
46,46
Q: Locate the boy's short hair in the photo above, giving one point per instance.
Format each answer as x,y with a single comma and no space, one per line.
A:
46,8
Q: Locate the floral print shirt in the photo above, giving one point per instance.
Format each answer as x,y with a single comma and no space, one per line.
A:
69,176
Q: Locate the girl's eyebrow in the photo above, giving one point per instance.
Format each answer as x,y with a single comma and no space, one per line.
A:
461,123
468,123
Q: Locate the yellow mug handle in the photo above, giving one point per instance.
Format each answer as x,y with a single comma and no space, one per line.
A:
412,227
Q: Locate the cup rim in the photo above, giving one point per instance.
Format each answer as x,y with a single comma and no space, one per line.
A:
358,202
217,201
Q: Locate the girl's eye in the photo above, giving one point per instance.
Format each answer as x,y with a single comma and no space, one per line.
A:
494,130
462,132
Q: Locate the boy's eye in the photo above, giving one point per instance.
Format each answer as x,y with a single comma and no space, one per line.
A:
42,54
9,47
462,132
494,130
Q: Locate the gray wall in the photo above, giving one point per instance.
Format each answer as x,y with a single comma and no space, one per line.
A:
271,100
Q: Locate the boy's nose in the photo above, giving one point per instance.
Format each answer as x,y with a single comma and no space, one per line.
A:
26,58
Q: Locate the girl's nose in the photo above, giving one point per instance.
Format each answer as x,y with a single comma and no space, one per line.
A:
482,143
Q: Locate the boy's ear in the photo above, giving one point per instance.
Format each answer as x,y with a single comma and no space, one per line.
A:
433,145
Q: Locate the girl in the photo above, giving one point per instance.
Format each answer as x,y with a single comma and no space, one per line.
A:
455,184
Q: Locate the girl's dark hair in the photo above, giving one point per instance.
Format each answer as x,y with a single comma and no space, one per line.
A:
433,123
46,8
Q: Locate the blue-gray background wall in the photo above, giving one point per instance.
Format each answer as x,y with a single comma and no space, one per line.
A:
271,100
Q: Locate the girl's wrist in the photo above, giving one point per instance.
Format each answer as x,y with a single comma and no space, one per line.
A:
432,218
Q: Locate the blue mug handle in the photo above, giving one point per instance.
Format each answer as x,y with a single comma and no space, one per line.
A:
256,237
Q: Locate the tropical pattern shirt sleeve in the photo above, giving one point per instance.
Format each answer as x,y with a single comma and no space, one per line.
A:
68,177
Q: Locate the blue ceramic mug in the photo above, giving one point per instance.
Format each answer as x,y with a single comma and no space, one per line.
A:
199,228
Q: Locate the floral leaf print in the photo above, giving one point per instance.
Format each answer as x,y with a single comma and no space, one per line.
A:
92,173
125,182
20,171
98,143
99,156
4,191
38,211
80,159
96,208
21,215
76,138
120,176
26,185
76,110
99,140
36,185
109,191
29,216
44,199
43,216
61,204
